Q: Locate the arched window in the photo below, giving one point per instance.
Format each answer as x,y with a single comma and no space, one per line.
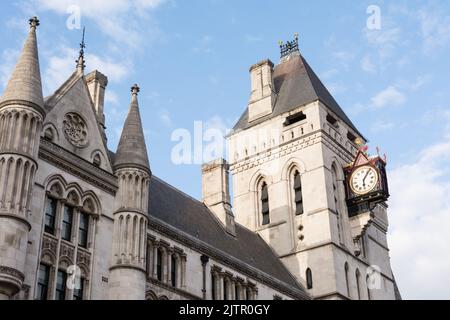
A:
358,276
298,194
66,231
97,160
347,280
50,215
173,271
265,212
159,256
309,279
49,135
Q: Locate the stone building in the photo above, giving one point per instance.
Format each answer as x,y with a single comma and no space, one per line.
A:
79,221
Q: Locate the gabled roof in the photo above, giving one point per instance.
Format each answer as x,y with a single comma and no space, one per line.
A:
193,218
132,150
296,85
25,82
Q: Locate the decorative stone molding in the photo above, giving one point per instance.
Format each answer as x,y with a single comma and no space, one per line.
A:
219,256
291,147
167,287
80,168
83,257
75,129
12,273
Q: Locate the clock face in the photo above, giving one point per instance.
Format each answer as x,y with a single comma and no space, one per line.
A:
363,180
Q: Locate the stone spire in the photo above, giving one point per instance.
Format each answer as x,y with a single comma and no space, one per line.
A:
25,83
81,63
132,151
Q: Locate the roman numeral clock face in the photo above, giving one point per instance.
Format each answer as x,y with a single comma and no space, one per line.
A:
363,180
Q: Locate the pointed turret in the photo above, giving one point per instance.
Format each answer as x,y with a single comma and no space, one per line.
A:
25,82
21,117
132,151
127,277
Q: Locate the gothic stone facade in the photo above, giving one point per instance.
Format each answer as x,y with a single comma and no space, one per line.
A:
78,221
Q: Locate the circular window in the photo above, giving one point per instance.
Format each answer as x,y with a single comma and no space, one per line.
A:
75,130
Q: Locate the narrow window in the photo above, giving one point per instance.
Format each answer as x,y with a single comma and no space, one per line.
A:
346,280
336,202
50,216
43,279
225,289
265,205
357,284
83,230
237,293
173,271
298,194
159,265
213,286
67,223
249,293
61,279
309,280
368,288
79,290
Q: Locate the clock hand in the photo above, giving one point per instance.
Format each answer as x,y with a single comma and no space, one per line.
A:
365,177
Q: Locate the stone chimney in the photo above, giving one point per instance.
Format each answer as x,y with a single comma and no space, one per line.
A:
216,192
97,83
262,99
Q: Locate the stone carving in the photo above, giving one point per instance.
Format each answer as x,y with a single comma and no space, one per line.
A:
83,258
50,244
75,130
67,252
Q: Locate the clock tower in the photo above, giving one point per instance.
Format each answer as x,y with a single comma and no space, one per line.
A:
301,182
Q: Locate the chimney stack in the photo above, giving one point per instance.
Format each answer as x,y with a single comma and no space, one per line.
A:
262,98
97,83
216,192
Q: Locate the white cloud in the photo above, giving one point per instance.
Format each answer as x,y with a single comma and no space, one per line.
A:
385,40
9,60
390,97
367,65
61,65
165,117
435,30
116,18
420,219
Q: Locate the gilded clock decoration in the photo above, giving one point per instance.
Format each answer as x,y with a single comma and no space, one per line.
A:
75,129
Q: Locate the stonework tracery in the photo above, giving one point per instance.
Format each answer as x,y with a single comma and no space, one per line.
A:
75,129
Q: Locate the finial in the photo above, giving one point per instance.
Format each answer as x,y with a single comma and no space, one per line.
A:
135,89
81,62
289,47
34,22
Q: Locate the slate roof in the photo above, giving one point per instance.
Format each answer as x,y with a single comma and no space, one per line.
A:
296,85
191,216
25,82
132,149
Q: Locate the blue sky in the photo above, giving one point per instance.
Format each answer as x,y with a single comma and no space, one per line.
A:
191,59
